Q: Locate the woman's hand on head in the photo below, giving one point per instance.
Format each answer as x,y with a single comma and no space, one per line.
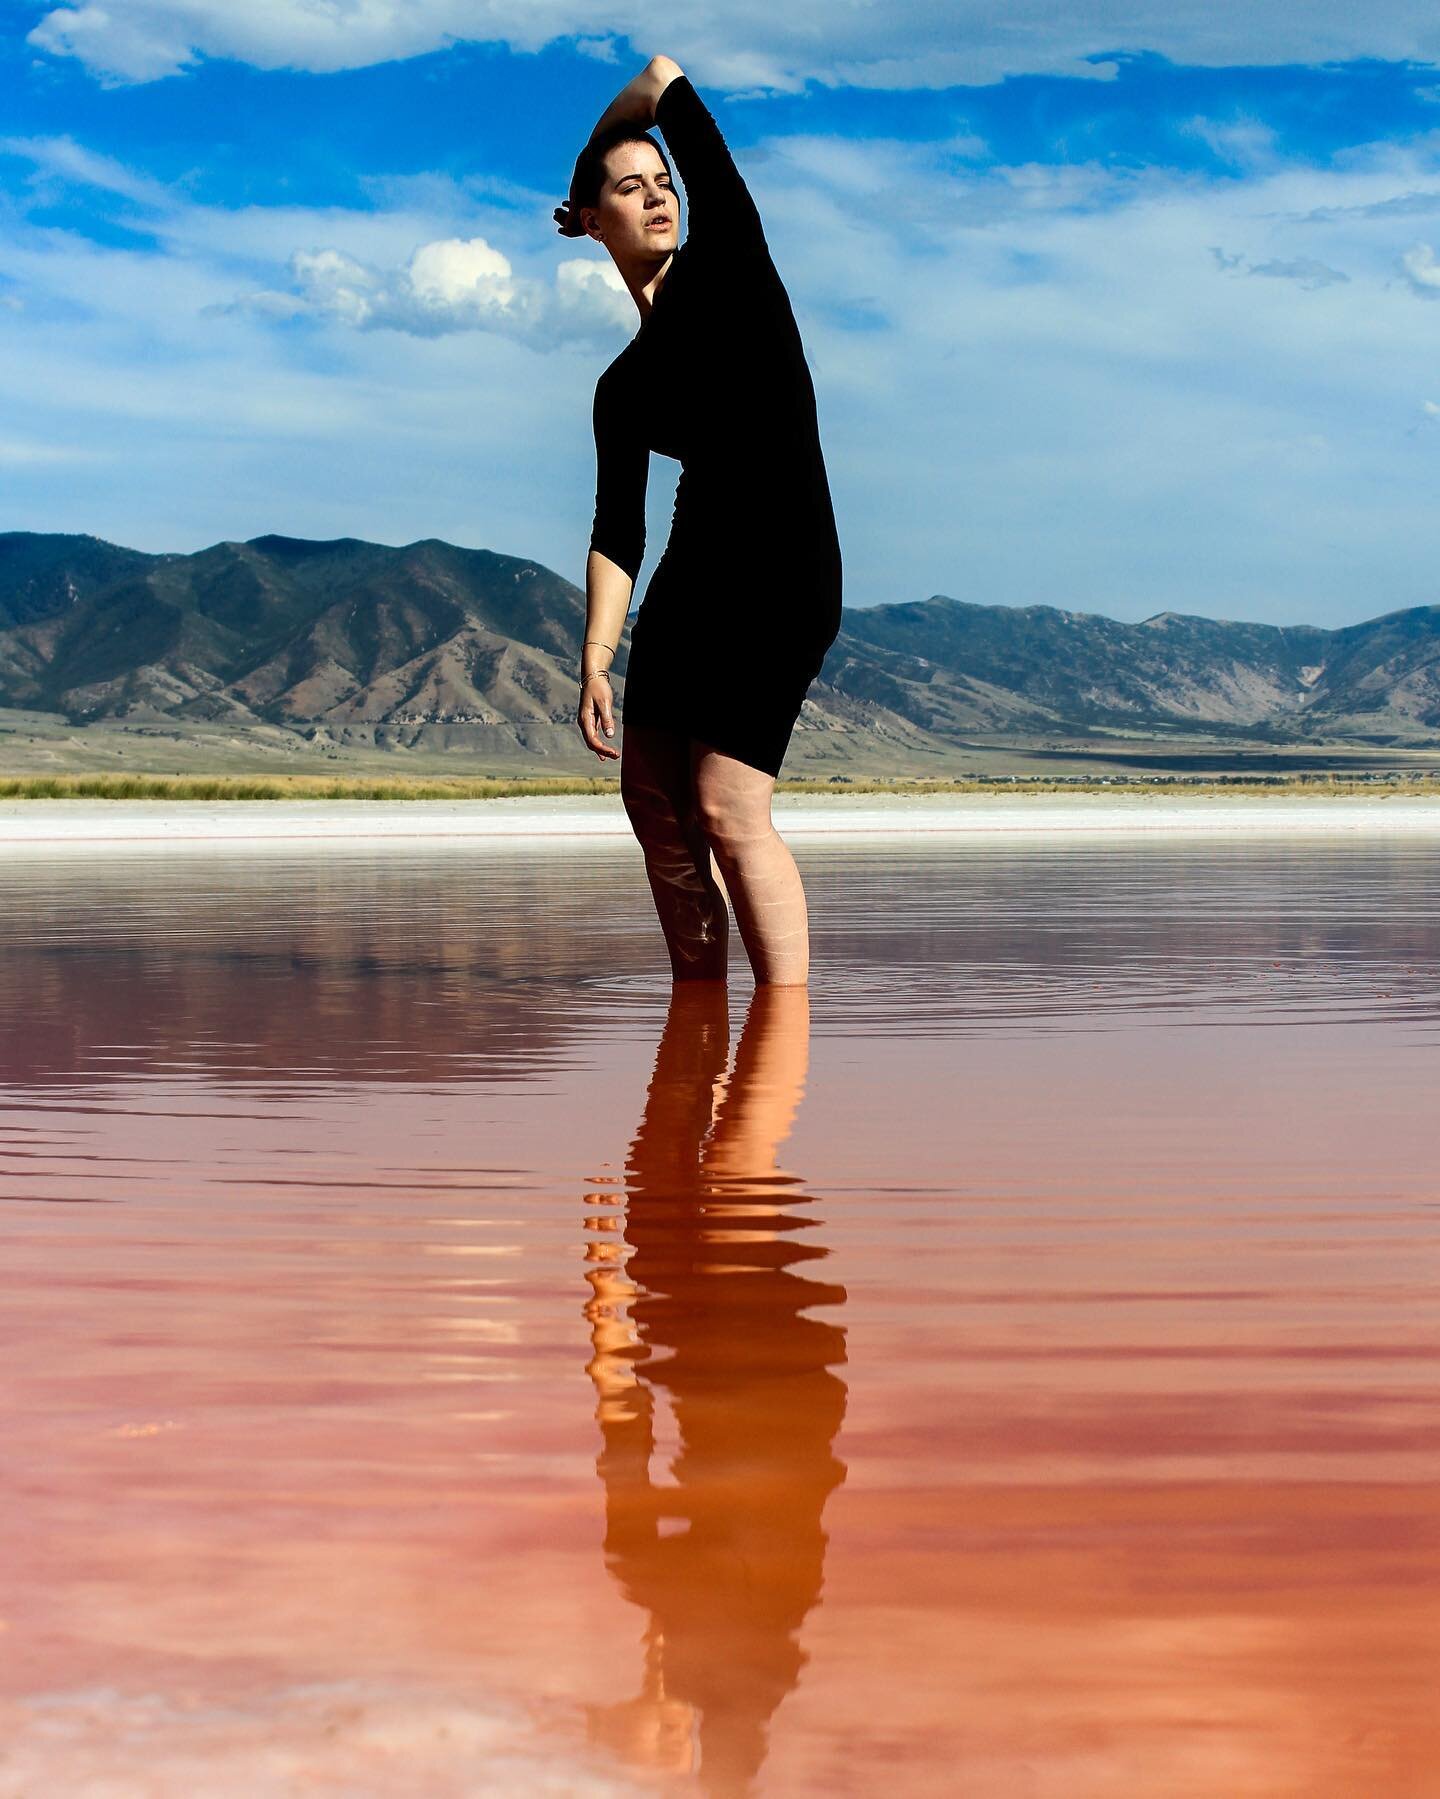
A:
635,103
597,715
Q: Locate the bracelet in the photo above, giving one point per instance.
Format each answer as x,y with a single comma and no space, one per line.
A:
598,671
601,641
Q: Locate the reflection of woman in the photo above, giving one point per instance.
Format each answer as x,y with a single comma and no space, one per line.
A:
707,1313
746,599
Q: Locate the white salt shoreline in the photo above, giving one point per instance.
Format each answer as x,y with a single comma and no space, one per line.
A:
94,826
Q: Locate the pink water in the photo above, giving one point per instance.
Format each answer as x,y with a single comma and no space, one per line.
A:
435,1363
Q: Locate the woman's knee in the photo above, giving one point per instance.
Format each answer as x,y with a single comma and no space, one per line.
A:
732,804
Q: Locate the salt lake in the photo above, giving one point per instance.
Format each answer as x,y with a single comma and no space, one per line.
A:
442,1359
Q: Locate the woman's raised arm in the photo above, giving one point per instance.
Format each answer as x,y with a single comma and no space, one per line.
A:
635,103
721,214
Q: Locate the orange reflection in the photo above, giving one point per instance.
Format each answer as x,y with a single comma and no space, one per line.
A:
698,1310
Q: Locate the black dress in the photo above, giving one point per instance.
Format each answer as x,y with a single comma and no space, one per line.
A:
745,600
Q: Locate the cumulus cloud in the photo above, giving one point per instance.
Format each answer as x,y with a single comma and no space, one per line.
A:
944,42
446,285
453,284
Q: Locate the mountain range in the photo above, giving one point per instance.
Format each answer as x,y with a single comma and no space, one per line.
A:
431,645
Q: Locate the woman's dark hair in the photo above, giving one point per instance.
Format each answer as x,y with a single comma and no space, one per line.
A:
589,176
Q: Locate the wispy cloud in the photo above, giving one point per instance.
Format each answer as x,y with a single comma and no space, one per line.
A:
908,44
1420,204
61,162
1305,271
18,453
1248,145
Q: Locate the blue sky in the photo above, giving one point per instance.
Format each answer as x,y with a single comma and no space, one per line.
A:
1117,320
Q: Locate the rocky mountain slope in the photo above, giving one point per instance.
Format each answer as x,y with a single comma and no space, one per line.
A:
436,646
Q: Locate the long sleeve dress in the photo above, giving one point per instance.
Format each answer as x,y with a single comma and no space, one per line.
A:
745,600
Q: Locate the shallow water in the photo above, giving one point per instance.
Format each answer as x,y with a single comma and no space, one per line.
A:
437,1362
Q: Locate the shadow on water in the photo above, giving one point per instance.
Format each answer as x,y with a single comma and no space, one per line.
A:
698,1306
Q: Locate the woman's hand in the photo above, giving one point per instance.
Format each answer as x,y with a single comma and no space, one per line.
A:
597,714
568,222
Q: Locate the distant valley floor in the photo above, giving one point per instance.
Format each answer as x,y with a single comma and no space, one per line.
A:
38,743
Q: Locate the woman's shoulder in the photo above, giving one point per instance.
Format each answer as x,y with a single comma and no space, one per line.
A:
614,372
617,384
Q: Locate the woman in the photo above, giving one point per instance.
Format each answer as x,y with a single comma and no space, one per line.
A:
745,601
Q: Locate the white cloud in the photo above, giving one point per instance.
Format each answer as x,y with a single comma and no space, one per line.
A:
61,161
768,48
447,284
1422,271
1245,144
599,49
589,287
454,284
459,275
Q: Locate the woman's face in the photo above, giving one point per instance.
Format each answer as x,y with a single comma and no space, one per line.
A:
638,216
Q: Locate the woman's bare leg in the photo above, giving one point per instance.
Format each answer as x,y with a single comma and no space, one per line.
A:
655,785
733,803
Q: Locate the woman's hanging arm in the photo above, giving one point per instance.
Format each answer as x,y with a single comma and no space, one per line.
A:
622,473
617,548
